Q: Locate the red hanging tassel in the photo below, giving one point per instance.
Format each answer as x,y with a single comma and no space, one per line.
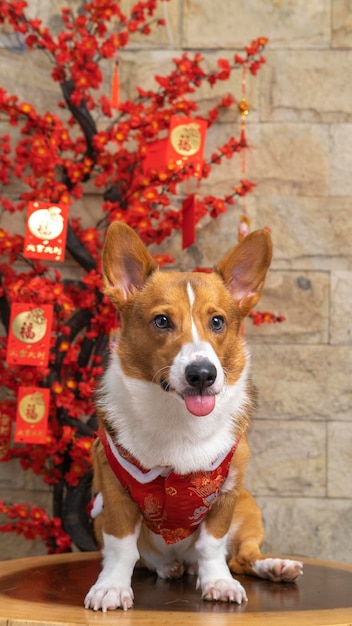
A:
189,221
115,87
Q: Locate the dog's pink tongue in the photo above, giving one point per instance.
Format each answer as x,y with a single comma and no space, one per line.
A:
200,405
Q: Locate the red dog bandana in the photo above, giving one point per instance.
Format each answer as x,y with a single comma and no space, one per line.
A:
173,505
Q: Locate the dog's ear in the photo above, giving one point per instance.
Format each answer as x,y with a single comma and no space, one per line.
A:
243,269
126,263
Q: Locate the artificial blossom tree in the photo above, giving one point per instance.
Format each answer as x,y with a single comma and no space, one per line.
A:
121,148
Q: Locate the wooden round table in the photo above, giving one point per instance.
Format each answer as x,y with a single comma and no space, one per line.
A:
50,590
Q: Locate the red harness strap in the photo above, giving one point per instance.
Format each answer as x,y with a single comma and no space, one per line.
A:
173,504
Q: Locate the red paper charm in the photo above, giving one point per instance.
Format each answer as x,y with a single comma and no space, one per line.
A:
46,228
189,221
5,430
29,334
32,415
186,142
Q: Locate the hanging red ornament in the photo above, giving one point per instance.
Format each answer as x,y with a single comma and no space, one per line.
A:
243,107
46,228
32,415
29,334
115,87
155,156
189,221
186,143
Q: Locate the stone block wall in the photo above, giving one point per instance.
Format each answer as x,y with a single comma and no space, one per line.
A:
300,131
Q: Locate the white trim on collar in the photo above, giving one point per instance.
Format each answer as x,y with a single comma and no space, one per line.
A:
159,470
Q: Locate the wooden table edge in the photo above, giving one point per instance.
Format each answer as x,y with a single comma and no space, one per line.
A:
13,615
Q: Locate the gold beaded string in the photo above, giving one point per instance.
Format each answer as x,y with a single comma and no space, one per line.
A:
243,107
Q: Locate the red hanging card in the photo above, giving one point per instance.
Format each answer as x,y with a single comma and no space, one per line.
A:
155,156
29,334
186,142
5,429
46,229
189,221
32,415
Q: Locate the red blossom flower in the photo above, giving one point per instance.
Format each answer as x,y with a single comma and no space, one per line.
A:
260,318
33,522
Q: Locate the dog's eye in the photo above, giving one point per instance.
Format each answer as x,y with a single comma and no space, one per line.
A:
217,323
162,322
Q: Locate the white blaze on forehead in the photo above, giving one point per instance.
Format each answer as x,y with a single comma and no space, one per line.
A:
192,297
194,351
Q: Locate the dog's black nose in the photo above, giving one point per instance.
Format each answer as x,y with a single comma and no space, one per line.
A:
200,374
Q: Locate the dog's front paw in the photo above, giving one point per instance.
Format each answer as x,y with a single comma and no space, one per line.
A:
224,590
278,570
108,598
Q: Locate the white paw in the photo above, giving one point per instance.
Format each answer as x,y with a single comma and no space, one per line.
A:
108,598
175,569
224,590
278,570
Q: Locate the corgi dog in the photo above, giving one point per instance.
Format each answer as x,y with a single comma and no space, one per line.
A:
174,408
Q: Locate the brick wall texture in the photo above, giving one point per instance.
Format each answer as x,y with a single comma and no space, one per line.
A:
300,131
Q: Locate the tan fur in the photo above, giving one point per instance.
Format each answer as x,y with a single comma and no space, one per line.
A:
120,514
